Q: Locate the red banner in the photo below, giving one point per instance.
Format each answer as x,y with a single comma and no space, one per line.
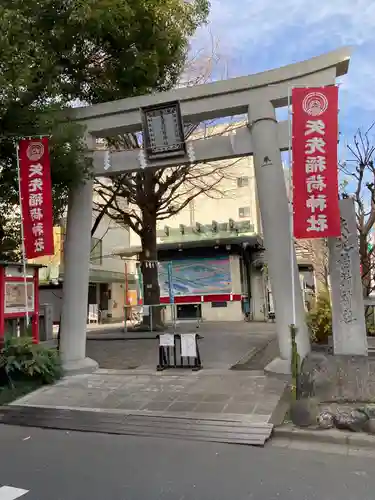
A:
36,197
316,212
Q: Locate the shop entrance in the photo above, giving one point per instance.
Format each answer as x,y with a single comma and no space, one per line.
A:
189,311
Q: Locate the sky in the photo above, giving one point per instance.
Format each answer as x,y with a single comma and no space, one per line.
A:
253,36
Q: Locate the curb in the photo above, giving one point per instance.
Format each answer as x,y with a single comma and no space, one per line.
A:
331,436
119,336
246,358
278,414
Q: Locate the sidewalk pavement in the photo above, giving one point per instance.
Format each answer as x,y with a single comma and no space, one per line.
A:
106,327
328,440
216,394
99,327
128,383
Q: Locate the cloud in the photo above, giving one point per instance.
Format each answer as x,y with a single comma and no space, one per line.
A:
258,22
258,35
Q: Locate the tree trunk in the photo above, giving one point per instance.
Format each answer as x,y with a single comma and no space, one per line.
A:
149,268
320,261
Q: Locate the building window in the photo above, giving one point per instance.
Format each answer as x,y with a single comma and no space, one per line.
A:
96,255
244,212
219,304
242,181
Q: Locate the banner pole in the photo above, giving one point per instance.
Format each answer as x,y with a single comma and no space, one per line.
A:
127,303
171,295
22,237
290,159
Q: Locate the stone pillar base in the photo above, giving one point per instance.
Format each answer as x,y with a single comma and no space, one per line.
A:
85,365
279,366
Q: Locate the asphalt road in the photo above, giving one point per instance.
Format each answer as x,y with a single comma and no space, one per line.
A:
55,465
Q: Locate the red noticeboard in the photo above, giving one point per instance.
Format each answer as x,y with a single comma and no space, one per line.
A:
12,296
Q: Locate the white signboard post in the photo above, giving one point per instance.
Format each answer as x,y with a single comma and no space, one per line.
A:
348,314
93,313
166,340
188,345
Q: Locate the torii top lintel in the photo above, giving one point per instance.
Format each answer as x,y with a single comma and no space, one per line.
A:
218,99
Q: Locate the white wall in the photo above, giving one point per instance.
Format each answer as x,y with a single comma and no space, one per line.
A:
224,205
235,273
258,300
117,301
54,297
233,312
116,304
113,237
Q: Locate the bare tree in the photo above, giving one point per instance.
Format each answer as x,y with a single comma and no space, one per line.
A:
317,250
139,200
359,183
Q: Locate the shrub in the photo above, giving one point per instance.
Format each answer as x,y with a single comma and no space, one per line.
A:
319,319
20,359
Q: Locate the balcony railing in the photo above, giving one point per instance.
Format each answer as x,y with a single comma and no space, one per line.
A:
200,231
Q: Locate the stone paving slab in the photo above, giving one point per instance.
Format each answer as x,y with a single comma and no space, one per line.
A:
221,395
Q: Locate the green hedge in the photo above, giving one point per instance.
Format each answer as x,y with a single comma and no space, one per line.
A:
319,319
21,360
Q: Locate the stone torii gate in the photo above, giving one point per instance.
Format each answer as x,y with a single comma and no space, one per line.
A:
264,137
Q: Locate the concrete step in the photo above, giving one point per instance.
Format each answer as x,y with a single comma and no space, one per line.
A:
195,429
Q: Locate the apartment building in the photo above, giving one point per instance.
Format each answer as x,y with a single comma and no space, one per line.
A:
106,288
